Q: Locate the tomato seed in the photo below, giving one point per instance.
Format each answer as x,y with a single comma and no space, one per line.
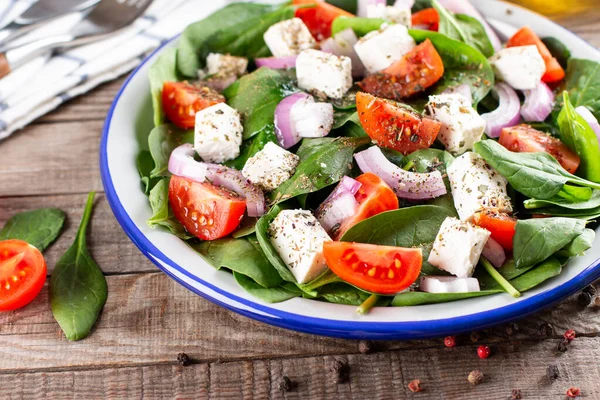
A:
372,272
390,274
397,263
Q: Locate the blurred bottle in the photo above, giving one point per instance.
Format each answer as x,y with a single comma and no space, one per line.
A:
560,9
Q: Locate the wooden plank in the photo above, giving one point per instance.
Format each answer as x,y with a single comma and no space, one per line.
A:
443,373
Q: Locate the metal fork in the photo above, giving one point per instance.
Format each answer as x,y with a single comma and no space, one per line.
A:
108,17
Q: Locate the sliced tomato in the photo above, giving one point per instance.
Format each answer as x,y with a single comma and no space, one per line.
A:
319,18
527,37
207,211
374,197
428,17
22,274
501,225
417,70
377,269
182,100
524,139
393,126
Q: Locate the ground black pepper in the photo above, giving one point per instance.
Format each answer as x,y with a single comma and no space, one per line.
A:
511,329
563,346
340,371
552,372
285,384
516,394
546,329
584,299
365,346
475,377
183,359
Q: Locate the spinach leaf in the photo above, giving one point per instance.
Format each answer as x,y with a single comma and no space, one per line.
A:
464,29
537,239
145,165
256,95
348,102
577,134
508,271
39,227
247,227
347,5
592,213
346,123
243,256
582,81
77,287
421,5
593,202
342,293
252,146
360,26
323,162
163,139
462,64
269,295
536,175
163,70
162,215
415,226
579,245
558,50
325,278
534,277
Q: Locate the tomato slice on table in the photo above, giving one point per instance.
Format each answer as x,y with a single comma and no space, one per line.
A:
428,17
374,197
526,37
501,225
393,126
377,269
319,18
182,100
22,274
524,139
207,211
417,70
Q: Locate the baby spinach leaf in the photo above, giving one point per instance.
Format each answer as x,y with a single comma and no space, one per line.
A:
421,5
323,162
534,277
360,26
39,227
163,70
582,81
408,299
464,29
347,5
163,139
325,278
462,64
536,175
162,215
77,287
558,50
593,202
537,239
579,245
415,226
508,271
342,293
577,134
145,165
346,123
589,214
277,294
247,227
243,256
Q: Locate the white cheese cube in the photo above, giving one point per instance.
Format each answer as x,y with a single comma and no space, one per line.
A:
521,67
476,186
298,238
448,284
462,127
457,247
380,49
270,167
224,65
310,119
395,15
218,133
288,38
323,73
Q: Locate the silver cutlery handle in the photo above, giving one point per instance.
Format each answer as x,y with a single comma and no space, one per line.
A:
13,58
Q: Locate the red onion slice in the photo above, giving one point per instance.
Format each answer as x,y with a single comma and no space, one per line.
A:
463,89
538,103
406,185
342,44
590,119
508,112
349,184
284,130
276,62
465,7
494,253
448,284
339,205
182,163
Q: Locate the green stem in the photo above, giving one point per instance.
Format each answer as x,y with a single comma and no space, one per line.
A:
499,278
369,303
408,166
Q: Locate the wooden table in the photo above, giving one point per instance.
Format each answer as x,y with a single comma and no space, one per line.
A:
148,318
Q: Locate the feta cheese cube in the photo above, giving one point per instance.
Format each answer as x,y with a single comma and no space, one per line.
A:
224,65
476,186
298,238
218,133
457,247
462,127
288,38
380,49
448,284
310,119
323,73
521,67
395,15
270,167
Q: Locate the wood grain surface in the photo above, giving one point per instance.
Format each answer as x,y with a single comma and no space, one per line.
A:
148,318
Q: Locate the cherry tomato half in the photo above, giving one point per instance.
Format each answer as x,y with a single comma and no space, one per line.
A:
501,225
428,17
319,18
182,100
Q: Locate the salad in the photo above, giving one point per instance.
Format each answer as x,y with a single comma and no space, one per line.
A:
400,157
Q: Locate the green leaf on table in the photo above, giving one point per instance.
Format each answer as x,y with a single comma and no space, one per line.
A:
162,215
163,70
163,139
558,50
277,294
579,245
39,227
77,287
582,81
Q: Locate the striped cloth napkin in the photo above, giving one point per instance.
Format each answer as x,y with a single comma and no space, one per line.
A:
44,83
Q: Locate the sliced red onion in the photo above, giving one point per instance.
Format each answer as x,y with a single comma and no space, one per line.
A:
276,62
404,4
363,5
463,89
508,112
342,44
349,184
538,103
339,205
406,185
448,284
182,163
310,119
590,119
494,253
465,7
286,135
